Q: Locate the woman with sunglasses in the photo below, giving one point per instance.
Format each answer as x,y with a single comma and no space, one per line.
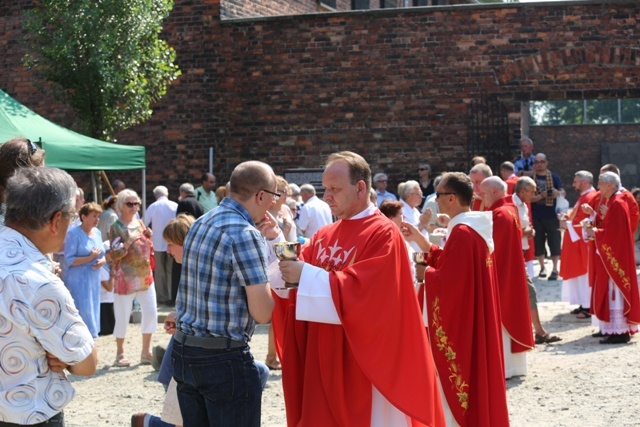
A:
131,251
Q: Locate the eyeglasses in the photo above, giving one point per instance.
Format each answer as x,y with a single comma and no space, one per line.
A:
276,196
443,194
32,147
538,162
423,169
381,180
132,204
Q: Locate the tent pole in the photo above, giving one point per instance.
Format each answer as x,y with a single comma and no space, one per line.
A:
211,160
144,191
94,187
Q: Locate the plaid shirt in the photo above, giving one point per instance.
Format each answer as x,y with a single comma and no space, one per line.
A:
522,164
223,253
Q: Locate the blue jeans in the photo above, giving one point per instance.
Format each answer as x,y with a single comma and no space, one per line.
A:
217,387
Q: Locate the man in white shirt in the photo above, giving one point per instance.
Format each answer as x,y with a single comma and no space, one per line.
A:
42,333
158,214
314,214
411,197
380,183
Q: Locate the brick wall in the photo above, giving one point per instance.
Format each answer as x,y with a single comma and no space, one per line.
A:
393,85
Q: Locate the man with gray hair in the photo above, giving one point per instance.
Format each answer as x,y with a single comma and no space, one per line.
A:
158,214
314,214
41,325
574,267
188,203
511,276
380,184
477,174
410,195
615,299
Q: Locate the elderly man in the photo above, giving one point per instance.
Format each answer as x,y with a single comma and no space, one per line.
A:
188,203
574,267
206,193
158,214
411,198
523,192
380,183
524,164
41,325
224,291
511,275
615,299
545,218
355,281
507,173
314,213
477,174
464,313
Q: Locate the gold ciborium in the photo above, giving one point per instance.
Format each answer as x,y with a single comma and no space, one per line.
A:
420,258
287,251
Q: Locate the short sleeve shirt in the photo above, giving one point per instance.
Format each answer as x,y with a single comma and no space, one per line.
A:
223,253
37,315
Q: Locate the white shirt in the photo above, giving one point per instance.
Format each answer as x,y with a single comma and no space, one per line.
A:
158,214
412,216
314,214
523,213
37,314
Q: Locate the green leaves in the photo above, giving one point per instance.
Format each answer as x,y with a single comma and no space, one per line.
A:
104,58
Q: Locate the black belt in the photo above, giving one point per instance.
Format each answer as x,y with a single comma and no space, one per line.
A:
210,343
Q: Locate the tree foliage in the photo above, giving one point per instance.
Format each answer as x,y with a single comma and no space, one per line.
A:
104,57
591,111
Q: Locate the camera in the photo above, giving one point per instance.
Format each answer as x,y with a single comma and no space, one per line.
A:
549,191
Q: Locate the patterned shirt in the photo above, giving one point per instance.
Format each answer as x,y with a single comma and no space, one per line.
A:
37,314
223,253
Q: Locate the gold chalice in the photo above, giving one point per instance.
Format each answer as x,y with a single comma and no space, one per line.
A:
287,251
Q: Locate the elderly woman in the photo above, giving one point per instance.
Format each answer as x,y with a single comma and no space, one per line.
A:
83,257
16,153
109,216
131,251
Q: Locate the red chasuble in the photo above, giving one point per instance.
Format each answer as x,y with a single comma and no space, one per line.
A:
530,254
511,274
511,184
575,255
329,370
616,260
464,328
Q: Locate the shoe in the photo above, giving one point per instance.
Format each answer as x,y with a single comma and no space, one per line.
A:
576,310
121,362
158,355
542,274
146,359
598,334
137,420
616,339
553,276
546,339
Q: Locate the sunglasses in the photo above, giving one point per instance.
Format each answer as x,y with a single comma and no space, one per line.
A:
132,204
32,147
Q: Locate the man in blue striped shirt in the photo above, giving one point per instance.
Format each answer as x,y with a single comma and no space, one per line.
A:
224,290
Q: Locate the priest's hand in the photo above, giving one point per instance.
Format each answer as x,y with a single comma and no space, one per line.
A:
603,210
291,270
443,220
412,234
587,209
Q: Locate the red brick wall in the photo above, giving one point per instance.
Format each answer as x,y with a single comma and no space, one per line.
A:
393,85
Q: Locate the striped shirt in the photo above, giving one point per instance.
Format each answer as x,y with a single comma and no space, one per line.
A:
223,253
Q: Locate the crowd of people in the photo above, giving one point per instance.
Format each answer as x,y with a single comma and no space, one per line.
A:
446,264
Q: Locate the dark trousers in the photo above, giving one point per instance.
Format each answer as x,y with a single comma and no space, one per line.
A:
107,318
219,388
175,280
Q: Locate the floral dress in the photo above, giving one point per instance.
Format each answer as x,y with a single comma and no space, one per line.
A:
132,267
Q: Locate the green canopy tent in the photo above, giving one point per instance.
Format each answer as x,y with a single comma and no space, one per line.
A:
65,148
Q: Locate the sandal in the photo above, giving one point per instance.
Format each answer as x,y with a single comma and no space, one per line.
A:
577,310
273,363
553,276
121,362
547,339
146,359
584,314
542,274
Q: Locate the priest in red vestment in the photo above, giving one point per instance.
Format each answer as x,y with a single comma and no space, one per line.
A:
464,312
477,174
351,338
574,267
512,277
615,300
